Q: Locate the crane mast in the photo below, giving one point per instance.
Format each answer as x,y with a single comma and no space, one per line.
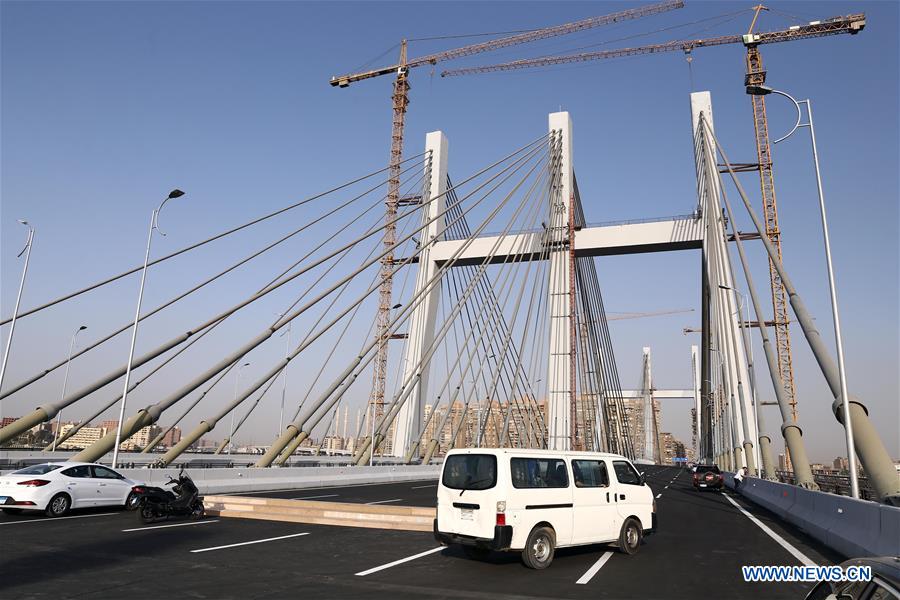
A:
756,75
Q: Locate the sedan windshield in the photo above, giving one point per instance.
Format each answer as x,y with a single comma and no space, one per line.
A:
37,469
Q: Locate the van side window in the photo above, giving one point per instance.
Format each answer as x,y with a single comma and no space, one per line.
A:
625,473
590,473
539,473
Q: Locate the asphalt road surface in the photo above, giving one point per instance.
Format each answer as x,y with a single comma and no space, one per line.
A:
702,542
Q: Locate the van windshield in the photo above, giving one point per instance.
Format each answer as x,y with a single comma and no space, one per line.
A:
470,472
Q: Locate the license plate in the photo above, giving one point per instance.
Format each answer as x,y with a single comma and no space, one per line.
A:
467,514
702,485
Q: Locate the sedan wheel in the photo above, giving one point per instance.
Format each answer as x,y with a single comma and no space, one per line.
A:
58,505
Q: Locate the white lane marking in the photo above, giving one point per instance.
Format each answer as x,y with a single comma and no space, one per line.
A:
399,562
312,497
659,494
665,488
781,541
385,501
419,487
173,525
281,537
589,574
52,519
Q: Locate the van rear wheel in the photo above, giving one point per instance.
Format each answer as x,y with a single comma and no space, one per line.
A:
631,536
539,548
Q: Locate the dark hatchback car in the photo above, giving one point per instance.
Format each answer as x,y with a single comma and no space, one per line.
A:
708,477
885,583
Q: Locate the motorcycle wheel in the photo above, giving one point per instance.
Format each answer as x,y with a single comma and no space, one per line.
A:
147,513
198,511
132,501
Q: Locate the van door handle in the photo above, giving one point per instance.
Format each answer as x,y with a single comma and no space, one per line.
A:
621,496
607,497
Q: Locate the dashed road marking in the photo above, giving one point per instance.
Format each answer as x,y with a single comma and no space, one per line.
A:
589,574
385,501
781,541
173,525
398,562
665,488
281,537
54,519
659,494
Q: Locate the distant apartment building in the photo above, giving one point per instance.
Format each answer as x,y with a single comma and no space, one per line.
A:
83,438
172,437
140,439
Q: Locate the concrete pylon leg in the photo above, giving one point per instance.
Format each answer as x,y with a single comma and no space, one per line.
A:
291,448
424,314
793,439
751,457
173,453
738,458
429,452
872,453
289,433
765,450
222,446
559,393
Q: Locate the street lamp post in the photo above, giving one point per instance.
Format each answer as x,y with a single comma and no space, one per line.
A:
287,351
154,224
237,378
762,90
12,325
65,382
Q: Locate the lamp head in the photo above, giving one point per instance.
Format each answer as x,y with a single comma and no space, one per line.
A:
82,328
176,193
759,90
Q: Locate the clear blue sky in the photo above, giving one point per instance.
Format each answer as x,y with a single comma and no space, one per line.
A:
106,106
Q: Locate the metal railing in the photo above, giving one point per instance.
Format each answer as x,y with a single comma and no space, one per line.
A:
833,484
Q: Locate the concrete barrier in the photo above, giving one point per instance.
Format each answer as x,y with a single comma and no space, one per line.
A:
848,526
243,480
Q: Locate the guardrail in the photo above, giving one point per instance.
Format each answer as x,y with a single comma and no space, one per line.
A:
846,525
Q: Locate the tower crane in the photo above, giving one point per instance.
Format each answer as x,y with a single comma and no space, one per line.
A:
755,76
400,102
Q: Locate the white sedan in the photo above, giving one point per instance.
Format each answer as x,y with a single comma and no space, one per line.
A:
57,487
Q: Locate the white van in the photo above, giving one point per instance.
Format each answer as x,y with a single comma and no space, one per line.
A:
534,501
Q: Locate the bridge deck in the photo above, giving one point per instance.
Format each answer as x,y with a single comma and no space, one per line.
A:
702,543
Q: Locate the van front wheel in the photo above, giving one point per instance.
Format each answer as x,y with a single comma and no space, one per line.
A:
539,549
630,537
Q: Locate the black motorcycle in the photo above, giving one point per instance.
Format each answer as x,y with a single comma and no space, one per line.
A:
154,504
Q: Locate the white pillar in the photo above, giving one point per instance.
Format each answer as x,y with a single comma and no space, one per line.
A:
719,272
649,416
422,319
558,302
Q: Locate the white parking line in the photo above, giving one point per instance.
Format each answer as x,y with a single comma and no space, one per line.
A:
312,497
173,525
399,562
385,501
419,487
589,574
781,541
281,537
51,520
